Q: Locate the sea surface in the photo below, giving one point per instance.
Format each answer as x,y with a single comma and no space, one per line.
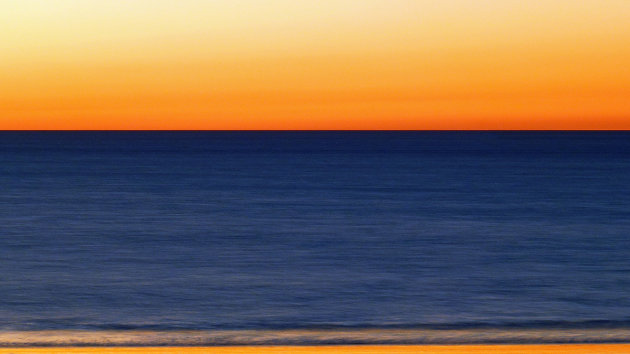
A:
284,231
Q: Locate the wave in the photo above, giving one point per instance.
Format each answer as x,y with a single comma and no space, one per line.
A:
311,337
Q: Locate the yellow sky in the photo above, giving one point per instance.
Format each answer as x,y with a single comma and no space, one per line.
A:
327,64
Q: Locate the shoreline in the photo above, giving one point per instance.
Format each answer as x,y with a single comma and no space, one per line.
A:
343,349
302,337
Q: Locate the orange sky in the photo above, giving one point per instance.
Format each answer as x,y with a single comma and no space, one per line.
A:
315,64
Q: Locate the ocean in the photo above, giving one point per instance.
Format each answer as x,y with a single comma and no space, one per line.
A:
256,232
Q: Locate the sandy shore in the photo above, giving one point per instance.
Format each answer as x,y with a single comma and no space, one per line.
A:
353,349
261,338
319,341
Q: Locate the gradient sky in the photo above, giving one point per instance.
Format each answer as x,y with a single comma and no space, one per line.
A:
315,64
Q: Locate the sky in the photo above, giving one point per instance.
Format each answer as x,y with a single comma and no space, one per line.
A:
314,64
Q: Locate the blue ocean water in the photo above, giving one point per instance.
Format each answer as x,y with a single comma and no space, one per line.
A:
282,230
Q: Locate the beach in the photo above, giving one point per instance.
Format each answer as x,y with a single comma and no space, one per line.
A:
316,341
352,349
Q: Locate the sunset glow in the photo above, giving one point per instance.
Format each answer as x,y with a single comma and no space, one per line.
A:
329,64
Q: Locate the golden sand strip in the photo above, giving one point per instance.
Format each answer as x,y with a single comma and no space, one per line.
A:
354,349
